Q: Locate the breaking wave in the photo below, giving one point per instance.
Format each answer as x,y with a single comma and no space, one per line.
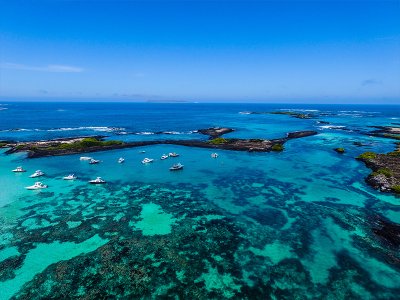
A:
331,127
82,128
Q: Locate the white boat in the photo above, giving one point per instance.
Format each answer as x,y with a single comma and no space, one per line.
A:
176,167
173,154
142,151
214,155
147,160
19,170
70,177
37,186
37,173
93,161
98,180
121,160
164,156
85,158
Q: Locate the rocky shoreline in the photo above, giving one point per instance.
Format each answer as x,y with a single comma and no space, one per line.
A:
386,170
298,115
389,132
69,146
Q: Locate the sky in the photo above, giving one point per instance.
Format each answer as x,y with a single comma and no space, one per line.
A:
241,51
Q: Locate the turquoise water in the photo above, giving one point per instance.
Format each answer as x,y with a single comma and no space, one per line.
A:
295,224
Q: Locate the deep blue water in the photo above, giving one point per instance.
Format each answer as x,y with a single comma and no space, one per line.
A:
295,224
31,121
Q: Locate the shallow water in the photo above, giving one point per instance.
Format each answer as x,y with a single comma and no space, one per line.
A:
295,224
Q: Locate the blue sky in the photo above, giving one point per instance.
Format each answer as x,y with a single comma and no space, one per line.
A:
273,51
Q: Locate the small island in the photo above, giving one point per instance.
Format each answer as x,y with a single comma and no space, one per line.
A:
298,115
68,146
339,150
386,170
389,132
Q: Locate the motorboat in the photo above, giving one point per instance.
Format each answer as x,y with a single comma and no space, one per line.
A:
176,167
70,177
37,173
214,155
37,186
121,160
164,156
19,170
173,154
147,160
93,161
98,180
85,158
142,151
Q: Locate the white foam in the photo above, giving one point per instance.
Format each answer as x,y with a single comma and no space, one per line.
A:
299,109
93,128
331,126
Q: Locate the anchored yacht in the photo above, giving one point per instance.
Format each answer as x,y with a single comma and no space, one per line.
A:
37,173
19,170
121,160
173,154
85,158
93,161
98,180
176,167
164,156
147,160
37,186
70,177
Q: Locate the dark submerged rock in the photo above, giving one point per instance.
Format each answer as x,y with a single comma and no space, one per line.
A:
387,230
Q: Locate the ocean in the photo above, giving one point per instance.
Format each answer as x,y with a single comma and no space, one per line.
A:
296,224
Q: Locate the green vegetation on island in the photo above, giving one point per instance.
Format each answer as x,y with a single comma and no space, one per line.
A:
396,189
367,155
277,147
218,141
339,150
386,170
83,144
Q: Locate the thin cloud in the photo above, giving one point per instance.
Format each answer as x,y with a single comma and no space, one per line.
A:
369,82
48,68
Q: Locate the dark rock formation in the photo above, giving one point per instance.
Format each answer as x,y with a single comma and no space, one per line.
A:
390,132
386,170
59,147
298,115
301,134
339,150
215,132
